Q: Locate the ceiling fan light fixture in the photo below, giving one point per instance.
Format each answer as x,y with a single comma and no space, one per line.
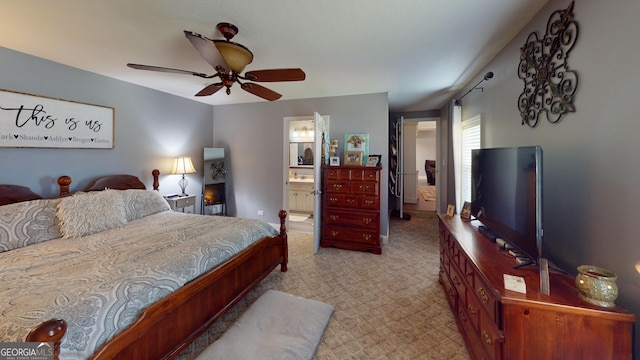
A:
234,54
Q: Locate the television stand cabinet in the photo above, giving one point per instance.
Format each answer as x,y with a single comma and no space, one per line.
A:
502,324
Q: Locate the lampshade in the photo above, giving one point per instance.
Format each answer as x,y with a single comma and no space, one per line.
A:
236,55
183,165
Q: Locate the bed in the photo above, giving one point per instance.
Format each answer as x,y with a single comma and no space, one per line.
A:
156,310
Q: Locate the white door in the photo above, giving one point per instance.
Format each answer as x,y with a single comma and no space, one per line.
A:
321,124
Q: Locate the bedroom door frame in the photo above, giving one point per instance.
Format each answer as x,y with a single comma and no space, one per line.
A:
317,166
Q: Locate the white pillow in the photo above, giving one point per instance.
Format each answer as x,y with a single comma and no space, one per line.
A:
90,213
141,203
28,222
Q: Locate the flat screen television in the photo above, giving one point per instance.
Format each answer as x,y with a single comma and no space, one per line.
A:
506,197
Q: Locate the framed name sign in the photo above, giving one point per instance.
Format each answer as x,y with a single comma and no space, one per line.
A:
31,121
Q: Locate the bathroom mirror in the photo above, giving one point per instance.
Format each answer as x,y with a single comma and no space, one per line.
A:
301,154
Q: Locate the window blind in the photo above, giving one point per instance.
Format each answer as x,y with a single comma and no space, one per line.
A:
471,139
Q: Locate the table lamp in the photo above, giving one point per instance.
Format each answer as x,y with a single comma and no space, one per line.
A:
183,165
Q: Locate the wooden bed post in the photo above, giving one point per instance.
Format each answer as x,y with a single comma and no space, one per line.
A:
155,174
283,234
63,182
49,331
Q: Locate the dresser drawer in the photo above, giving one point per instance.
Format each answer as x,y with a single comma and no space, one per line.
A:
333,200
364,220
353,201
337,187
457,280
486,298
490,337
451,294
473,309
187,201
369,202
338,174
333,233
444,261
364,188
366,175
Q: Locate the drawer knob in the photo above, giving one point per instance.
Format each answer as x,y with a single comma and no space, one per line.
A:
351,201
471,309
333,200
483,295
469,273
364,187
366,236
486,338
334,233
367,220
461,316
368,202
337,186
334,217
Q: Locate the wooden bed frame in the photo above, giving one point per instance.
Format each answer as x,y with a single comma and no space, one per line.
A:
167,327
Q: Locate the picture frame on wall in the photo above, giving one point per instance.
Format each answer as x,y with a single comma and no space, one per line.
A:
334,161
357,142
353,158
373,160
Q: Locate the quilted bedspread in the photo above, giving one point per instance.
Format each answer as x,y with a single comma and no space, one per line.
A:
100,283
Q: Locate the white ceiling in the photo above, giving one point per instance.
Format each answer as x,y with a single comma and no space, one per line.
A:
419,51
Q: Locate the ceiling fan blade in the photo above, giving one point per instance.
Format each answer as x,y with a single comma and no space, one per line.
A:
169,70
210,89
207,49
276,75
261,91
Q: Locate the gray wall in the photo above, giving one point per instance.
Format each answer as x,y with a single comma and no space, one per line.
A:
252,135
590,157
151,128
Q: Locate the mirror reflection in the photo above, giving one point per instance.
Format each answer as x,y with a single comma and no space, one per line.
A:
300,154
215,173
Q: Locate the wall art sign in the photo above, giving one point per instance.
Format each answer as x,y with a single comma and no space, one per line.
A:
549,85
31,121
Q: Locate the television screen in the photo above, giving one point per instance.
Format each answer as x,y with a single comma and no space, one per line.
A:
506,195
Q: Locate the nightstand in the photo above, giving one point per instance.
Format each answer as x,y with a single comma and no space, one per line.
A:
181,202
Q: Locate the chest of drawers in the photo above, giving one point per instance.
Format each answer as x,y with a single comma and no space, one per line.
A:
497,323
351,208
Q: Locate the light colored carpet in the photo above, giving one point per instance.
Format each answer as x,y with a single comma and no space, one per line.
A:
277,326
428,192
387,306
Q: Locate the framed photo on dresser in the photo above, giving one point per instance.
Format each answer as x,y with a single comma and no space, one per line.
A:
465,214
373,160
353,158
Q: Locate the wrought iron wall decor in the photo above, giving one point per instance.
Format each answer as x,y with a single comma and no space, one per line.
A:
549,85
217,172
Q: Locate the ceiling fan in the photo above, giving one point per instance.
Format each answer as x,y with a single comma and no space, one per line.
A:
229,60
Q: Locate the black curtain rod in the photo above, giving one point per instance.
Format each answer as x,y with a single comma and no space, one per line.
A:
487,76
